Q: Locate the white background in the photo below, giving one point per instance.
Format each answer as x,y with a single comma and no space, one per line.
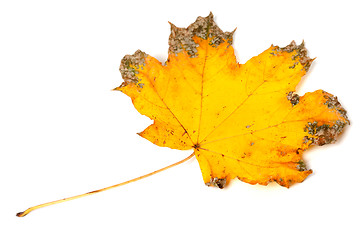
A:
64,132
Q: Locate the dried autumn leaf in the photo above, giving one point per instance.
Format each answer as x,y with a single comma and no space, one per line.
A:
242,120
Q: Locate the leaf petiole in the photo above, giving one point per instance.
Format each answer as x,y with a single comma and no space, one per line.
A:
22,214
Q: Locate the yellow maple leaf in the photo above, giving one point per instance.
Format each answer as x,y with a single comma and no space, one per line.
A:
242,120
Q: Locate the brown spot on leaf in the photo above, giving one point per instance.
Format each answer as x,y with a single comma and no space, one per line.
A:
301,54
217,182
293,97
130,64
301,166
333,103
204,27
323,134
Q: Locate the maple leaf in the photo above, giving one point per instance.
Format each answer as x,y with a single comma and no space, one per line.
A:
243,121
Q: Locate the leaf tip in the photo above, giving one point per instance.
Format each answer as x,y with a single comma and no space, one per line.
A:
182,39
130,64
301,54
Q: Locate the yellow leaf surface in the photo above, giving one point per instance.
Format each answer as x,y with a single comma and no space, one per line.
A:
242,120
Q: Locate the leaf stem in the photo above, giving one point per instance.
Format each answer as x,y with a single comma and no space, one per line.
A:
22,214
